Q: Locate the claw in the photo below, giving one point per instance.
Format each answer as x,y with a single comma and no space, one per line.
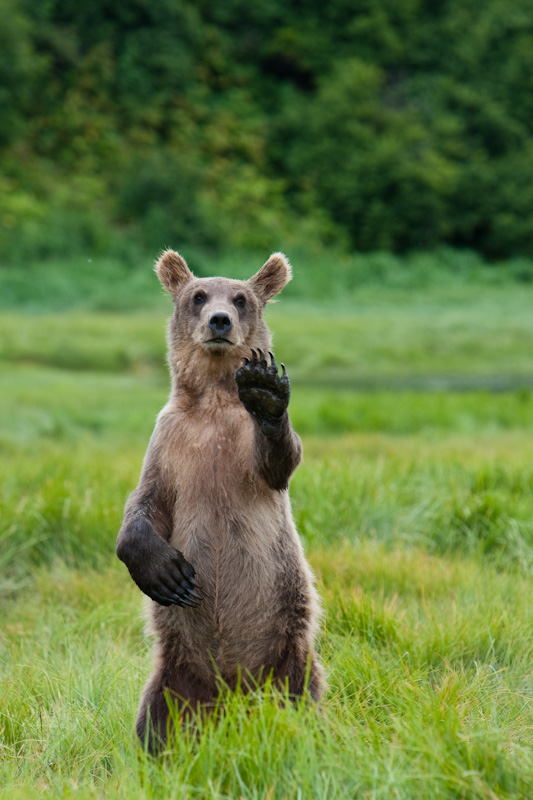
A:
273,364
261,356
184,601
161,599
246,359
254,356
283,370
198,597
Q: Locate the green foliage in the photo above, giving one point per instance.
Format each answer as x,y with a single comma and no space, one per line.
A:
372,165
19,65
394,126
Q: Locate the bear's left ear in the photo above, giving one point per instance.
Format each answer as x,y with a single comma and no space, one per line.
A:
172,271
272,277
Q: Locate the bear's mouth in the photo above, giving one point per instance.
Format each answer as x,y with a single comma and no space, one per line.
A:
219,340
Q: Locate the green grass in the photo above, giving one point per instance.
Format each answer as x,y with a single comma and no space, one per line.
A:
427,642
416,511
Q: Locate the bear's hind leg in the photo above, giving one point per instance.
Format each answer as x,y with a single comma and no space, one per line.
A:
300,672
181,689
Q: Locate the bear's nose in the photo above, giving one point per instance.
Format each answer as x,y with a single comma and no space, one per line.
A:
220,322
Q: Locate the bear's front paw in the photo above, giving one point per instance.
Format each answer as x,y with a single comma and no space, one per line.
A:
263,392
167,577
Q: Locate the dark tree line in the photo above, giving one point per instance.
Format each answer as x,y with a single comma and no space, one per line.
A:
375,124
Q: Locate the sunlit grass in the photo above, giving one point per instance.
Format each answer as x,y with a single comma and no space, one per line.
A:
428,663
426,635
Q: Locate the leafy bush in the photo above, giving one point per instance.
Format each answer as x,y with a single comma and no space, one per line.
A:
383,127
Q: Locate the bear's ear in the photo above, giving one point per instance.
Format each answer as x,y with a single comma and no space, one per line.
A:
172,271
272,277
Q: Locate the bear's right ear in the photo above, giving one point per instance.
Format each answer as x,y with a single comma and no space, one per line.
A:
172,271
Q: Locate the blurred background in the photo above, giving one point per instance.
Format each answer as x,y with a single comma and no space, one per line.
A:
217,127
386,147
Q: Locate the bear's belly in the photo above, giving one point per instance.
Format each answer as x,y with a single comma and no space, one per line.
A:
240,622
239,536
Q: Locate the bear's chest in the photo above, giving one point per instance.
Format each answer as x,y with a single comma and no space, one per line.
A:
210,457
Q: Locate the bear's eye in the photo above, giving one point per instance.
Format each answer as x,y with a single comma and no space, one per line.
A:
199,298
240,301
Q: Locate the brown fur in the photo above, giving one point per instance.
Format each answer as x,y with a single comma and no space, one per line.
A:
214,487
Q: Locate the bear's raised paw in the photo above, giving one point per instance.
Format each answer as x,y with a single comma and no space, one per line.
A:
263,392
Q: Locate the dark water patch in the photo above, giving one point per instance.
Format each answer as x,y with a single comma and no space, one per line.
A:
416,383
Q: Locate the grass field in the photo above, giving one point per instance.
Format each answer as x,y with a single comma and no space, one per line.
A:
415,505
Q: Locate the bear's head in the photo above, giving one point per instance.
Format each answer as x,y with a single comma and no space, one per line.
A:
217,320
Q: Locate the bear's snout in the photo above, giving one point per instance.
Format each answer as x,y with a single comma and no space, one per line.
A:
220,322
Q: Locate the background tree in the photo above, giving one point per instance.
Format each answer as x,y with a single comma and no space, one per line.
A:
382,126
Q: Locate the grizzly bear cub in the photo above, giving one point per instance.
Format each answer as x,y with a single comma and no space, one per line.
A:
208,533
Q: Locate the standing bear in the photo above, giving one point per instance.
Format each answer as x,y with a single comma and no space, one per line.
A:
208,533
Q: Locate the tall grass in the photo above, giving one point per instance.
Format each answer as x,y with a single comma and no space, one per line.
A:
428,664
415,509
426,633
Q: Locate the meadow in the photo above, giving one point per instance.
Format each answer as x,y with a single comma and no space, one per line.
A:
414,503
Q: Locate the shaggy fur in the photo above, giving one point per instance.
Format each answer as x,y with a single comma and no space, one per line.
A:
211,516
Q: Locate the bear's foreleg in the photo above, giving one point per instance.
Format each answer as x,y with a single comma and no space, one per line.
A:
265,395
158,569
